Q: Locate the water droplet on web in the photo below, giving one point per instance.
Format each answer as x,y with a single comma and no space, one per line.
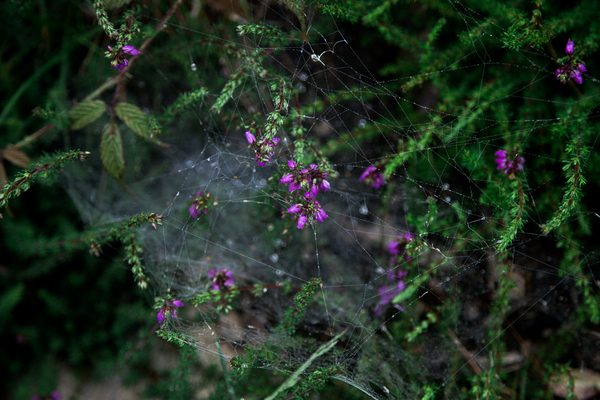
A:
303,76
301,88
193,66
363,209
270,227
262,182
164,26
274,257
279,272
446,186
229,242
447,199
189,163
362,123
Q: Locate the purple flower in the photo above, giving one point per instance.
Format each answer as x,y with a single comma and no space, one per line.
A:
119,60
288,178
250,137
130,50
222,279
388,292
200,204
168,310
398,247
311,178
570,47
573,69
576,76
295,208
510,166
372,177
310,210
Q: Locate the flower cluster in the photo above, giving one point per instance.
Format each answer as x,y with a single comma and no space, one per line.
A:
200,204
263,148
119,61
573,68
398,247
373,177
310,210
307,177
221,279
168,309
510,166
310,179
388,292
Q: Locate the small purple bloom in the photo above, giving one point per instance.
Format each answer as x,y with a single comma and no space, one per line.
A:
372,177
576,76
292,164
398,247
302,221
288,178
582,68
168,310
222,279
200,204
250,137
295,208
570,47
130,50
388,292
55,395
510,166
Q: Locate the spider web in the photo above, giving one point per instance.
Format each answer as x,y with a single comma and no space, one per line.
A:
358,119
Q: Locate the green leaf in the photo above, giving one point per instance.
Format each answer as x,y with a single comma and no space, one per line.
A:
85,113
111,151
134,118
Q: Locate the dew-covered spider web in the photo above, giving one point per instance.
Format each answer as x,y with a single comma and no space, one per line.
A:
431,259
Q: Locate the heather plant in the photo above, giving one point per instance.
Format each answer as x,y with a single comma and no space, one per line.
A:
337,199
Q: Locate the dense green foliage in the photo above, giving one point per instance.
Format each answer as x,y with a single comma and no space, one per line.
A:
504,260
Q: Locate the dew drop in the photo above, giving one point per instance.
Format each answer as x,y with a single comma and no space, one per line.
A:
274,257
362,123
363,209
164,26
270,227
303,76
279,272
193,66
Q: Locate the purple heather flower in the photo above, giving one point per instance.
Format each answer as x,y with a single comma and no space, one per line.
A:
130,50
570,47
264,150
288,178
509,166
250,137
398,247
168,310
302,221
295,208
200,204
576,76
581,68
388,292
372,177
310,210
222,279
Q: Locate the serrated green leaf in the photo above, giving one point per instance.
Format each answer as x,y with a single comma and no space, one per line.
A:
111,151
85,113
134,118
